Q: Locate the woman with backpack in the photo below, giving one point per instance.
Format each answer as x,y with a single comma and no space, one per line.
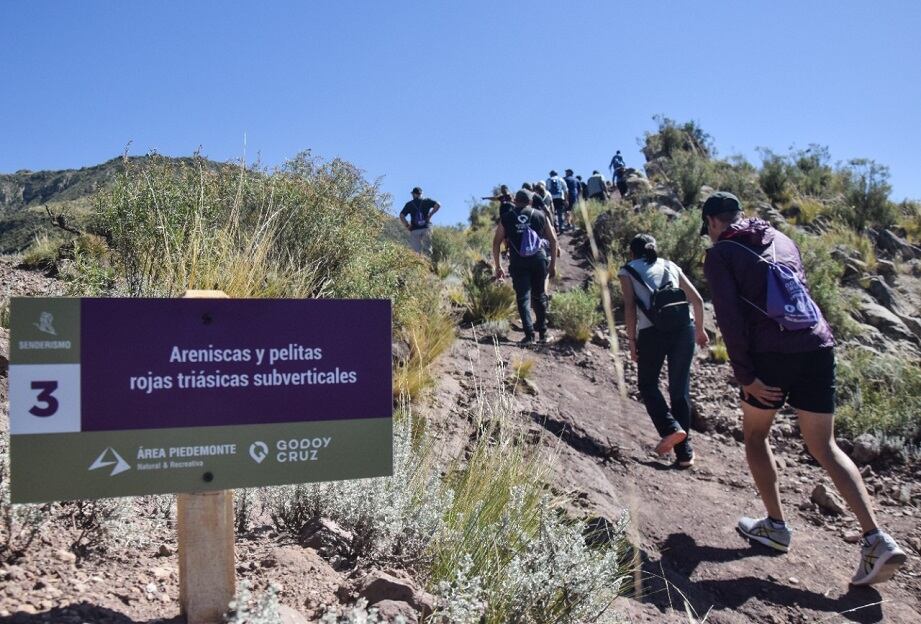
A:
657,308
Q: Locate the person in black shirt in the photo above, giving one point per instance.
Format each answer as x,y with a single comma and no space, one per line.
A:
528,268
420,210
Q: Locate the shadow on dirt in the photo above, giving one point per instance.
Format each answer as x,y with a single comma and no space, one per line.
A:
681,556
80,612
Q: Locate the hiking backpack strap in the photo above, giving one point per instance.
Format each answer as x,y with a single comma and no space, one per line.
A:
762,259
639,304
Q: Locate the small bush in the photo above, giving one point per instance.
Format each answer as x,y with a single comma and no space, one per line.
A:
774,177
487,299
251,608
718,351
42,254
521,370
879,393
842,236
910,220
867,191
576,313
448,248
808,210
688,171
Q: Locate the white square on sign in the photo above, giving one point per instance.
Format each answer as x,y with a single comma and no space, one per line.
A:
44,398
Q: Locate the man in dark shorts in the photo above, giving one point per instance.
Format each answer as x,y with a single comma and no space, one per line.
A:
775,366
420,211
528,272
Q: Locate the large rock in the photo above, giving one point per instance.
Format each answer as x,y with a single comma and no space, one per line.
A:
827,500
885,321
665,196
880,291
867,449
887,240
326,537
379,586
390,610
770,214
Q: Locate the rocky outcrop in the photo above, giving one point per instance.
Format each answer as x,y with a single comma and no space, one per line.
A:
890,242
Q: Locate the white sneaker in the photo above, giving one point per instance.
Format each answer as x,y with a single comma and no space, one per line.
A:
766,532
880,558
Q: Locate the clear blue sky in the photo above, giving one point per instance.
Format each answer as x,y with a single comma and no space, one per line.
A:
457,96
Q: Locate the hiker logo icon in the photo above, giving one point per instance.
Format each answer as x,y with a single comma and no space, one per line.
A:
110,457
45,320
258,451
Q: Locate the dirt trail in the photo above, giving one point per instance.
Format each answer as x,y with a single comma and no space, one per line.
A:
685,520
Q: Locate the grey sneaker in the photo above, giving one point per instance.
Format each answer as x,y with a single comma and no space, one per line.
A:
880,558
766,532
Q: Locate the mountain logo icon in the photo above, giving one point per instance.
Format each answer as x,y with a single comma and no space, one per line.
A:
110,458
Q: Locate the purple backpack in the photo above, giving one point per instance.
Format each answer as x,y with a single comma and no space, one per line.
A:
787,302
531,243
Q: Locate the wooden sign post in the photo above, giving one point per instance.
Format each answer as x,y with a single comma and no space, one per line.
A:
205,526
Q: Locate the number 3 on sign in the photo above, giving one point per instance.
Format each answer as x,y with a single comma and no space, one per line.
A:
44,398
45,388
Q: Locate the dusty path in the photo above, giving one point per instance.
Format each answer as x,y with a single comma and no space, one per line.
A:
685,520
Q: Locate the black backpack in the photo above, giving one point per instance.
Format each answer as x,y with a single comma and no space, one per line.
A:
668,305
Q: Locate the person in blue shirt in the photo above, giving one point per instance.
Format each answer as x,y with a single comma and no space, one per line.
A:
617,162
572,191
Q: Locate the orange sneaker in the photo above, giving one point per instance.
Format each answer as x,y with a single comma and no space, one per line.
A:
666,444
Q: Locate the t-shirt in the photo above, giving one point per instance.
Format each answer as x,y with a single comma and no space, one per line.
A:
572,187
515,222
653,275
418,211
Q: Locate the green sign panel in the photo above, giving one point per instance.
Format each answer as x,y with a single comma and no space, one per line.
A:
120,397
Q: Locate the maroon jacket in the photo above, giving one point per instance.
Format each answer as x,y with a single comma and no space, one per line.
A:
733,273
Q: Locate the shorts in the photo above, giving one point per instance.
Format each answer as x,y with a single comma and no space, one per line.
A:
806,379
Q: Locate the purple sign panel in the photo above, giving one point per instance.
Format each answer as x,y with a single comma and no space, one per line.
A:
172,363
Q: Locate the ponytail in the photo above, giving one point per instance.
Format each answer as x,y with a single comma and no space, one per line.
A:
644,246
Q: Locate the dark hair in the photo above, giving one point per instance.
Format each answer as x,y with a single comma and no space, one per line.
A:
553,173
644,246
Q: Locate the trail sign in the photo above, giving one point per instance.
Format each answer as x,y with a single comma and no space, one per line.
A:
118,397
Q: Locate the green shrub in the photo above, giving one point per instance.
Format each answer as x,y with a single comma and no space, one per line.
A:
842,236
688,171
910,220
448,248
679,239
808,210
576,312
879,393
774,177
867,191
487,299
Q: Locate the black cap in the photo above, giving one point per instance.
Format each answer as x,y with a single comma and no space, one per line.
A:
553,172
718,203
418,190
523,197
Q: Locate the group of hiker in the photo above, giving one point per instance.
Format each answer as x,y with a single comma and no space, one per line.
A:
780,346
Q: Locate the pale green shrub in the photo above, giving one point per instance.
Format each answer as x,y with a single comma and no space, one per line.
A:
577,312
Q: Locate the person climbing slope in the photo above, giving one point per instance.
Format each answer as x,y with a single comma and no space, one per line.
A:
782,352
528,234
660,327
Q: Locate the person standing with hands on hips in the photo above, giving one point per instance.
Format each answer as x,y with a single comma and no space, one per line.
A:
420,211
